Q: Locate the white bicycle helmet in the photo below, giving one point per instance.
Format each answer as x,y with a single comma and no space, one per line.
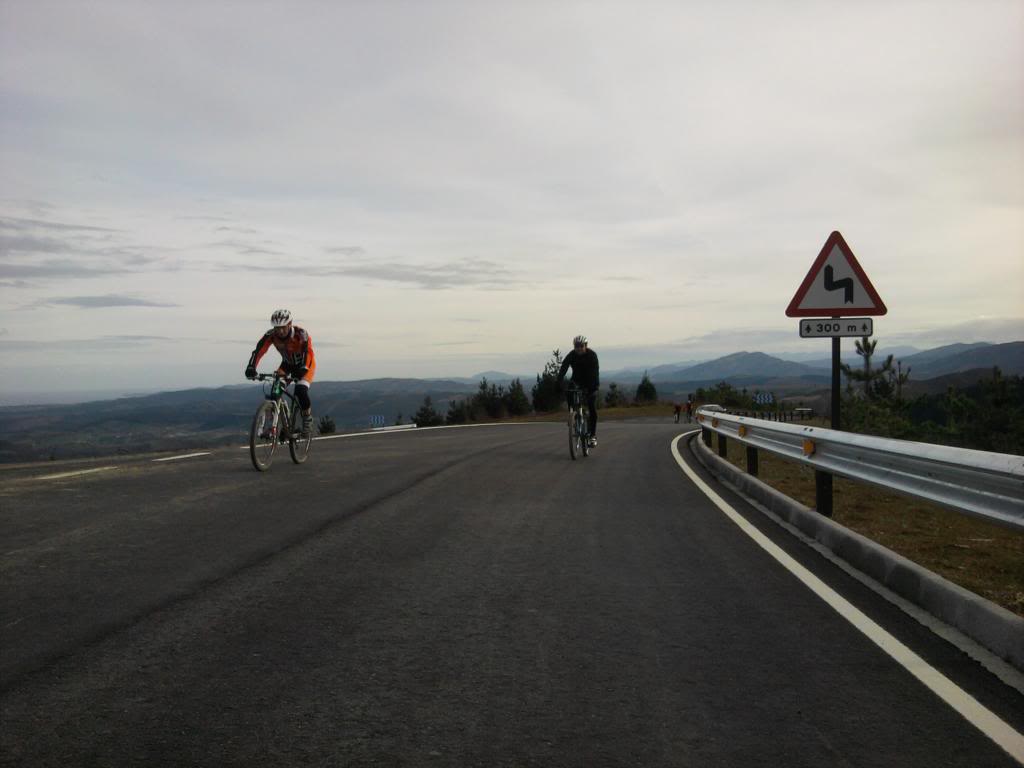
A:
579,341
281,317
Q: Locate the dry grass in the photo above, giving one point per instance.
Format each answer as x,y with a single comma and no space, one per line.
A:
983,557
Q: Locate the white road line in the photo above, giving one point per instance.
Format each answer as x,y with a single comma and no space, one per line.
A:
184,456
966,705
71,474
386,431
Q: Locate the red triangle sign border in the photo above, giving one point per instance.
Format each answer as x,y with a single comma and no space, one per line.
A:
835,239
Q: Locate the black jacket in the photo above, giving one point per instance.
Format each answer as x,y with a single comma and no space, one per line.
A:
586,371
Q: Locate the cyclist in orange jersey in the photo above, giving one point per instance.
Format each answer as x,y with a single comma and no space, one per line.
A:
298,360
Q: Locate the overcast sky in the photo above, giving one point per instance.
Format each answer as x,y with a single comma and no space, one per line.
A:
443,188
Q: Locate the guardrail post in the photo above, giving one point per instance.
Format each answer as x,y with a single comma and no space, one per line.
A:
823,492
705,435
723,445
752,461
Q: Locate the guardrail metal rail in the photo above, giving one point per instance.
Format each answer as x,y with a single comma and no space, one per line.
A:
980,483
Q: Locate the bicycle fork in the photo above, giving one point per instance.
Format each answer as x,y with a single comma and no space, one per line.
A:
270,427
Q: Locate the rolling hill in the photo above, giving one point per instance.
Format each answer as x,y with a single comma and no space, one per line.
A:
212,416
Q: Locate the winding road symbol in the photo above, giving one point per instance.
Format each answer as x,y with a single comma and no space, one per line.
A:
831,284
818,294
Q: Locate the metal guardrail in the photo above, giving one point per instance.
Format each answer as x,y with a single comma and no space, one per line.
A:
988,485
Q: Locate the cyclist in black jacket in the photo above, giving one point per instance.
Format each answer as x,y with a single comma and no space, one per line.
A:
586,374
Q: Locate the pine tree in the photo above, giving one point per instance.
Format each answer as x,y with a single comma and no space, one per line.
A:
547,396
426,416
458,412
646,391
876,381
516,401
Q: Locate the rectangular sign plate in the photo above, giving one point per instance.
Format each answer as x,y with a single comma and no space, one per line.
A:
832,327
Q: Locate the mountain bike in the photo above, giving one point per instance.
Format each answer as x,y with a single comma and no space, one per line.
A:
277,420
579,423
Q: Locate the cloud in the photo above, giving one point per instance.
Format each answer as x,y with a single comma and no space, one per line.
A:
22,225
31,244
16,284
240,230
102,302
478,273
51,249
101,342
57,268
246,249
346,250
463,273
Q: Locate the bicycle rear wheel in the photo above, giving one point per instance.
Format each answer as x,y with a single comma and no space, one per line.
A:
263,440
298,444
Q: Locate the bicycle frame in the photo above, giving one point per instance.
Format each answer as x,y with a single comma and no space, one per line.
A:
286,403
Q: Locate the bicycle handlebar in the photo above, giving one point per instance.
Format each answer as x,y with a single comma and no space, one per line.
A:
274,375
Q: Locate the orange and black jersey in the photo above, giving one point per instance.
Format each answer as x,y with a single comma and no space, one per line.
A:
296,350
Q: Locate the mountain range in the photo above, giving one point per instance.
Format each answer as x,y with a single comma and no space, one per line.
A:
204,417
764,368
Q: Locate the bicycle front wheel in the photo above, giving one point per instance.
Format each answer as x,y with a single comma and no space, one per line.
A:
575,438
298,444
262,437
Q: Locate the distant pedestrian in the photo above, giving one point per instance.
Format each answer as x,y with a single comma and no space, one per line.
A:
678,410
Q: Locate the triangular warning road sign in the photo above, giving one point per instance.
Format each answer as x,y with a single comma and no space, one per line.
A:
835,286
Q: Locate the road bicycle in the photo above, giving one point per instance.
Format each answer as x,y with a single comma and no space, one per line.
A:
579,423
277,420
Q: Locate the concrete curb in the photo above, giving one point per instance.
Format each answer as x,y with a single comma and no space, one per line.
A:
990,625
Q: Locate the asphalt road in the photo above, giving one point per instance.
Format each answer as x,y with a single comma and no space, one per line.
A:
452,597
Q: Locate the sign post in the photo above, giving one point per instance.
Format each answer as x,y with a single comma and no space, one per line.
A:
836,286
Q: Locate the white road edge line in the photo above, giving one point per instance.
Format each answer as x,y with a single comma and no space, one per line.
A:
184,456
71,474
386,431
966,705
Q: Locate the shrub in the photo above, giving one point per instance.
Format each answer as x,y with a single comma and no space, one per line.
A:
615,397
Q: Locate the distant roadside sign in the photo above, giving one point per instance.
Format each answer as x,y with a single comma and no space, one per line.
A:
836,286
834,327
764,398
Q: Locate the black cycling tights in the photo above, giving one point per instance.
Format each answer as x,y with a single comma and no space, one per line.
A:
302,395
592,411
